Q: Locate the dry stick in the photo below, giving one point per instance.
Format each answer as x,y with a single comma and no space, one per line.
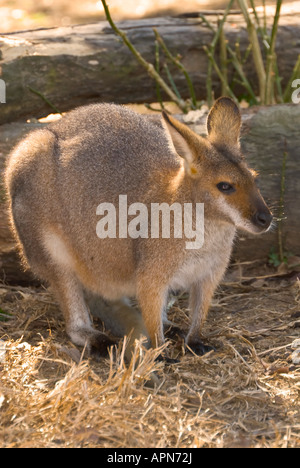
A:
257,56
271,58
148,66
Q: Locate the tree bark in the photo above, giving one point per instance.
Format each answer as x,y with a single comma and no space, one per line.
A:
77,65
267,133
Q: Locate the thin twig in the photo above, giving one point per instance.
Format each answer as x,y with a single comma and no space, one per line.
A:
281,203
219,73
179,65
172,82
38,93
239,68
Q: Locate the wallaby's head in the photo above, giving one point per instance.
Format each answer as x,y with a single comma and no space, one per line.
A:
217,168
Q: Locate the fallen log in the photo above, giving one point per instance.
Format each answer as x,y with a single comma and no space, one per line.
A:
72,66
11,271
267,133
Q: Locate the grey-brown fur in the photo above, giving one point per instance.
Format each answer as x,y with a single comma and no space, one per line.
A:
58,176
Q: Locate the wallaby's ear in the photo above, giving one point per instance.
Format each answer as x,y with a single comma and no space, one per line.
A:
224,122
183,140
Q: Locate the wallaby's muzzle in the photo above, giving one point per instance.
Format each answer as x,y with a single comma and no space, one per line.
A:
262,219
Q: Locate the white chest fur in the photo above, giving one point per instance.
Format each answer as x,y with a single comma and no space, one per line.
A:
209,261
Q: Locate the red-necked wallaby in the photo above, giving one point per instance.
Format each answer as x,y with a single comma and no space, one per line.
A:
58,177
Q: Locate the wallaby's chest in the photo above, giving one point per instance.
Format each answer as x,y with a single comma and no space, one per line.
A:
209,261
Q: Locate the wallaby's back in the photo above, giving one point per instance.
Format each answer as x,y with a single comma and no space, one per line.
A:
58,177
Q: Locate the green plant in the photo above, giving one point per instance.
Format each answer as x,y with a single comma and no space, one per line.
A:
262,41
269,81
265,62
4,316
151,70
274,259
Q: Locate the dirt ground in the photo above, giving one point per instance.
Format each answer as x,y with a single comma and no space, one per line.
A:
27,14
18,15
243,394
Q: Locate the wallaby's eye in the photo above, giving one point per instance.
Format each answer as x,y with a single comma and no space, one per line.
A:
224,187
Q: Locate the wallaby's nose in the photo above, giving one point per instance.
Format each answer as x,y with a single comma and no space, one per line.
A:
263,219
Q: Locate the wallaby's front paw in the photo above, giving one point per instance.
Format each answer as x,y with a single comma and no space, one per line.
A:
99,345
199,348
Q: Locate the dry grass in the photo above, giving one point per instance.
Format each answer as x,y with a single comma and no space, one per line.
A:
245,394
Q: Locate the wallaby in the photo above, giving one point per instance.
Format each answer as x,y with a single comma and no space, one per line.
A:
58,177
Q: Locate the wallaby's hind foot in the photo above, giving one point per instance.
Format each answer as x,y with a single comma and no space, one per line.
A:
79,327
78,322
196,346
172,331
